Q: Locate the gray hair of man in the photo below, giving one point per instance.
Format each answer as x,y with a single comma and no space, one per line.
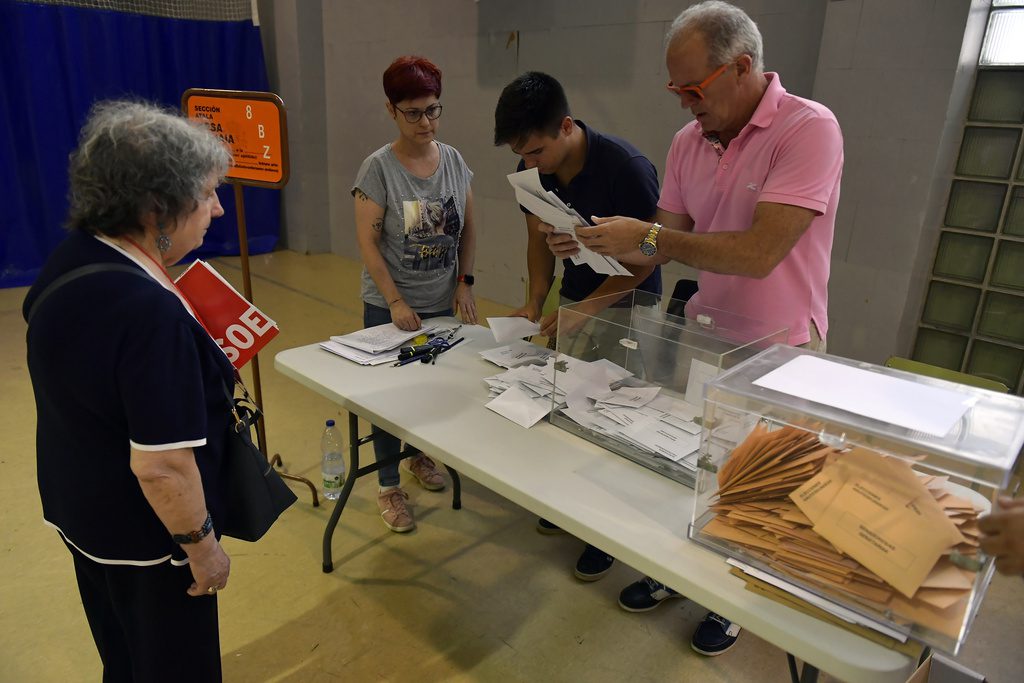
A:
728,30
134,158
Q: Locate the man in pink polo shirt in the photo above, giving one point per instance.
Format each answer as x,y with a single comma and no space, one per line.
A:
749,200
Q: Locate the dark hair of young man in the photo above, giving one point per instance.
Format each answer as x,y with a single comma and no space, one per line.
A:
532,103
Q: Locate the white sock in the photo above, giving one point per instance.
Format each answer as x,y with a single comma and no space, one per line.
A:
383,489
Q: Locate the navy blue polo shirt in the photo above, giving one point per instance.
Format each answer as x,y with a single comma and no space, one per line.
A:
117,361
616,180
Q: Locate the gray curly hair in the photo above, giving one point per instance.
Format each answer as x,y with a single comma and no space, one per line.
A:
728,30
135,157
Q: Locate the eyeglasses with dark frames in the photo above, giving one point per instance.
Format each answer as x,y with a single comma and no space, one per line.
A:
433,112
696,92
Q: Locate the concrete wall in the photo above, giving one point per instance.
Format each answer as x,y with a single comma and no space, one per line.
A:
887,69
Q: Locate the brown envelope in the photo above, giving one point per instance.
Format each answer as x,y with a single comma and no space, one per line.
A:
883,527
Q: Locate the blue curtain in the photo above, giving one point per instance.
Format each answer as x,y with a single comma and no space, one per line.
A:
55,62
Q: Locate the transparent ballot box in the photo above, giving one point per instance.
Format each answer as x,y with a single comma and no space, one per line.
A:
856,488
631,374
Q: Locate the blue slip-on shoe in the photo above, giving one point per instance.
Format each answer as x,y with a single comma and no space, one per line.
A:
644,595
593,564
715,635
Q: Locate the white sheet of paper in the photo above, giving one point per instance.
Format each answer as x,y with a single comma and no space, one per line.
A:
358,356
897,401
700,374
518,406
508,328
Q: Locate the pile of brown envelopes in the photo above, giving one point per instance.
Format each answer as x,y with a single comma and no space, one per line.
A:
865,528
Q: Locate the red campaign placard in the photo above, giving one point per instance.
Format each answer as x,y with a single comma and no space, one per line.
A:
237,326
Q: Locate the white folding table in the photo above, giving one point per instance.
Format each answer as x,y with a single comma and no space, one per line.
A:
632,513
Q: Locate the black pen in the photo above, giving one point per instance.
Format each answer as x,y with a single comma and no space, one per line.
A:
411,359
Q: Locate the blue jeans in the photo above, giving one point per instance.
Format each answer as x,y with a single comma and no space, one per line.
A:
386,444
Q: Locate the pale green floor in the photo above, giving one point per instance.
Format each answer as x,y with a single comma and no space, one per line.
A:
471,595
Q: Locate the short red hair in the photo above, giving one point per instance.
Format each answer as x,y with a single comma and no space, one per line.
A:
410,77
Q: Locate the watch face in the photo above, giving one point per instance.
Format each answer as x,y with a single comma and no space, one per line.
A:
648,248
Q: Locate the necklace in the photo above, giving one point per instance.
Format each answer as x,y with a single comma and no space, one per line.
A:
181,295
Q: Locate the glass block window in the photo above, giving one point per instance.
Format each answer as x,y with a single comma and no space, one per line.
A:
988,152
975,206
973,314
963,257
1004,37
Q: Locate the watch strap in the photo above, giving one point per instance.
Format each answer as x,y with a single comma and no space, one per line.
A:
195,536
468,279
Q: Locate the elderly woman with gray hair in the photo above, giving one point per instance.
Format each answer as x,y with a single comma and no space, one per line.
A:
129,389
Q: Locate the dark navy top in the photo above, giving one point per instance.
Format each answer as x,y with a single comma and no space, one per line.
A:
616,180
116,360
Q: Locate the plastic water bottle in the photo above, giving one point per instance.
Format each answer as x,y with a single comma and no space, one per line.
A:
332,467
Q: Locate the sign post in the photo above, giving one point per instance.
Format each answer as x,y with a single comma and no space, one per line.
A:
253,125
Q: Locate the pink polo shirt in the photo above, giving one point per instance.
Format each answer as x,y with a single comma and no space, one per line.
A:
791,152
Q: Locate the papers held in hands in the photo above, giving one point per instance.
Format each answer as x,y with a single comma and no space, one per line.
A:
550,209
373,345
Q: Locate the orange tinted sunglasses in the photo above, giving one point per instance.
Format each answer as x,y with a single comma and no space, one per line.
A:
697,91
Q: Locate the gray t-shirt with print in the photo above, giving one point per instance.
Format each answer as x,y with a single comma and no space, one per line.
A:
423,219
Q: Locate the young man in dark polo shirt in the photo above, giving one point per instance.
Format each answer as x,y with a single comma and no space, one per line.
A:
592,173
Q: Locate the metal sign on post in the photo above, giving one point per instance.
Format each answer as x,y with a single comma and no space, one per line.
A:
254,127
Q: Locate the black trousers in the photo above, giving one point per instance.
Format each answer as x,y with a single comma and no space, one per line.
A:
146,627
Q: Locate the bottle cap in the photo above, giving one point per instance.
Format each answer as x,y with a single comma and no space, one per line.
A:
330,423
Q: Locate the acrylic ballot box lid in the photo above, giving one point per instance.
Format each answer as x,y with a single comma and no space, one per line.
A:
757,505
665,343
972,433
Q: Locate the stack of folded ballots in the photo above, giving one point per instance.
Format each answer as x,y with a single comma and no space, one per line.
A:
863,527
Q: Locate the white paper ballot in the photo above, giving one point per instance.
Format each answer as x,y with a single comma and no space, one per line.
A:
516,354
508,328
897,401
518,406
632,397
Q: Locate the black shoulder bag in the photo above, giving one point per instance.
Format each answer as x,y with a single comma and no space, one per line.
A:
255,495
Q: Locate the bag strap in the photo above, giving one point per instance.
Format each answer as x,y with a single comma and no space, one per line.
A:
233,402
82,271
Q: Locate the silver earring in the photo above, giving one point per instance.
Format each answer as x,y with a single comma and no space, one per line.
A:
163,243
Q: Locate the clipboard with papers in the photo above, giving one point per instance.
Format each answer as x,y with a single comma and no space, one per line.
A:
374,345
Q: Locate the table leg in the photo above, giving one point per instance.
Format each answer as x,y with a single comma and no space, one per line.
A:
456,488
809,674
355,472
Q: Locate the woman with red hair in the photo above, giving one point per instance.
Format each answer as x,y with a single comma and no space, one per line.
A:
414,224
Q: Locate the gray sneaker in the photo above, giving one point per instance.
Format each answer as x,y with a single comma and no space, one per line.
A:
394,511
